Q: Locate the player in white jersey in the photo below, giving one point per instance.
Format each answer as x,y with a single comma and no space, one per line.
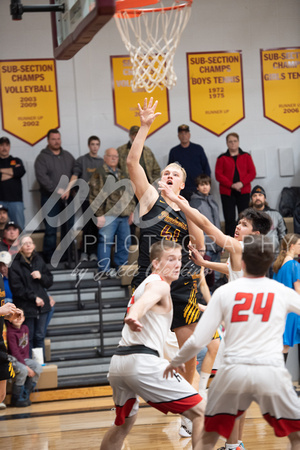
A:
250,222
137,367
254,309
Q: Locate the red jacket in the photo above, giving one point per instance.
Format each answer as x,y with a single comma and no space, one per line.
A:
225,167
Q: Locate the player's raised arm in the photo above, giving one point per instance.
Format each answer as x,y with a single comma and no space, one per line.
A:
196,235
136,172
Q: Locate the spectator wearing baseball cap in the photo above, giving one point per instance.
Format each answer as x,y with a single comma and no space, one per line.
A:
3,219
278,230
10,241
11,192
183,128
191,157
148,160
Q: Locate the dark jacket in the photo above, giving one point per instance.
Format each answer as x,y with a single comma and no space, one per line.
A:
11,189
193,159
50,167
288,199
25,289
225,168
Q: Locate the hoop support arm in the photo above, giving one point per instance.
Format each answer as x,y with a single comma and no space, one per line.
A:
17,9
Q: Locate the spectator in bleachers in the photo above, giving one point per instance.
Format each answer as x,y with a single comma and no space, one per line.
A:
287,272
191,157
11,193
278,228
234,171
3,219
51,164
29,277
84,168
27,370
113,208
10,241
205,203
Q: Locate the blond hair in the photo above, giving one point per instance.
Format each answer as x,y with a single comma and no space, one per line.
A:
288,240
158,248
178,167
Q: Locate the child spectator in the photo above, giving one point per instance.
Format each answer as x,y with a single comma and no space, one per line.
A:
204,202
27,370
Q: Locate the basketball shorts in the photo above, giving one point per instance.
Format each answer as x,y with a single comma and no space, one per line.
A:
6,368
141,375
185,304
236,386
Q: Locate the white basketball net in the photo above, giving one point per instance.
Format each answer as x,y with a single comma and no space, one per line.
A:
151,38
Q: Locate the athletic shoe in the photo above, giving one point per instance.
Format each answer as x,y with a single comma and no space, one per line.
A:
2,405
93,257
186,428
242,446
231,448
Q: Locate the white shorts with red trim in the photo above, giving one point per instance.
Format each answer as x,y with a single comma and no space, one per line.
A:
141,375
236,386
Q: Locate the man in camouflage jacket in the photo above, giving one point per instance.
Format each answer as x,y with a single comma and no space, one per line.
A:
148,161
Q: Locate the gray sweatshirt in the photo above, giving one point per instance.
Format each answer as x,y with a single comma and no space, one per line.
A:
50,167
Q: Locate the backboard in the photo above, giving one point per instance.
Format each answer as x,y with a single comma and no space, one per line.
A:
78,24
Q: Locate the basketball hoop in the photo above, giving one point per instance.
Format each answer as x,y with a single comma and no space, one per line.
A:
151,36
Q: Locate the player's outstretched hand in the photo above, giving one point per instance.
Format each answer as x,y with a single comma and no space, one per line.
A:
196,255
133,324
169,370
167,191
15,315
9,310
147,113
